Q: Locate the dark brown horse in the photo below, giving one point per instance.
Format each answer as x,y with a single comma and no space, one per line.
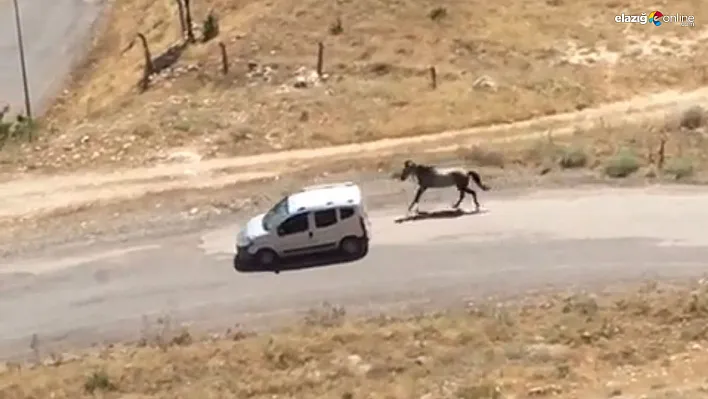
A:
429,176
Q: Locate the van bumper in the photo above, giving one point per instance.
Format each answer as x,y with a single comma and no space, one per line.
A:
243,259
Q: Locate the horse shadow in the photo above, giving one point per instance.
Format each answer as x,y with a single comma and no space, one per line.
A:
298,263
441,214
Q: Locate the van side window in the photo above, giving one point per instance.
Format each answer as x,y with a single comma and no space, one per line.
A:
295,224
325,218
345,213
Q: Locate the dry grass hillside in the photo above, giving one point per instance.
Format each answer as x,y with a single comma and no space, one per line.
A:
495,62
648,343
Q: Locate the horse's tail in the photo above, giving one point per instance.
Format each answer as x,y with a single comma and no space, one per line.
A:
478,180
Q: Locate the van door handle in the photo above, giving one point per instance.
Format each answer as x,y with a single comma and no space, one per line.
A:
310,234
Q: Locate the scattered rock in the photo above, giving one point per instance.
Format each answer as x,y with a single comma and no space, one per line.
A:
485,82
261,72
421,360
545,352
184,157
357,364
545,390
300,83
305,77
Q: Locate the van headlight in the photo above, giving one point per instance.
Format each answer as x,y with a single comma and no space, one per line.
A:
242,240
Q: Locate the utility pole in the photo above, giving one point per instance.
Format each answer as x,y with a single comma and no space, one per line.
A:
20,43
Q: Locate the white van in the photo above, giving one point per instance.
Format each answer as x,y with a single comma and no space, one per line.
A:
316,219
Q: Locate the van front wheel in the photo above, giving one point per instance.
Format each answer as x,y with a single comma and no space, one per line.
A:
351,247
267,258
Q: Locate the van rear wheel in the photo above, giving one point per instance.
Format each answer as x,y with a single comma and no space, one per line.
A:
351,246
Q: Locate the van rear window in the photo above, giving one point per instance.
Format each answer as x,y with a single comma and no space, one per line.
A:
345,213
325,218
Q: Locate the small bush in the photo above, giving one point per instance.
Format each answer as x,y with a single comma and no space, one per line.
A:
437,13
336,27
679,168
484,390
99,381
542,152
573,158
20,129
693,118
622,164
210,27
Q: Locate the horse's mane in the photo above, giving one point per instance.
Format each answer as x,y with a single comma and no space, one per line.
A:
426,168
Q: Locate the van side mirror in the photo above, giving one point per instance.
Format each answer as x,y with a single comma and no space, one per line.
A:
280,231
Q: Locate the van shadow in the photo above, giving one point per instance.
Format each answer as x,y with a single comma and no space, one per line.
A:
297,263
441,214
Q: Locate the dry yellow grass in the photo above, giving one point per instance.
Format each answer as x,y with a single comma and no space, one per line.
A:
536,54
649,341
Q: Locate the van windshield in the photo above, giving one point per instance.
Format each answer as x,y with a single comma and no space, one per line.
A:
277,213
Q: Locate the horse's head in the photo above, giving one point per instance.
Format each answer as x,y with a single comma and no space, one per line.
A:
408,168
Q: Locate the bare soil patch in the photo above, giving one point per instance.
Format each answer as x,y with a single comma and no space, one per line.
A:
646,342
495,62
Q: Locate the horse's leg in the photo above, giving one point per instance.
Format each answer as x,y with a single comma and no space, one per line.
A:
459,200
418,193
474,197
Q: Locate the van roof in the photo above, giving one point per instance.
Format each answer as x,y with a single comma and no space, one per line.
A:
325,196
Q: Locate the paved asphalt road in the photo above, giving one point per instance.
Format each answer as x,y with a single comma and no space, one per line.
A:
521,242
55,32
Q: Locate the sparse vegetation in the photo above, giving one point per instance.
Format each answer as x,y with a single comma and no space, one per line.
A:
99,381
210,27
437,13
679,168
525,70
481,156
336,27
622,164
693,118
572,158
540,153
645,342
19,130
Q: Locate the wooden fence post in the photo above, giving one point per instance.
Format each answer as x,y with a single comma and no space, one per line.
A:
433,78
182,23
320,58
662,153
188,21
149,67
224,59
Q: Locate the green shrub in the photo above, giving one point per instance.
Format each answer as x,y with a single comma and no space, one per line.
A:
679,168
99,381
210,27
19,129
622,164
573,158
